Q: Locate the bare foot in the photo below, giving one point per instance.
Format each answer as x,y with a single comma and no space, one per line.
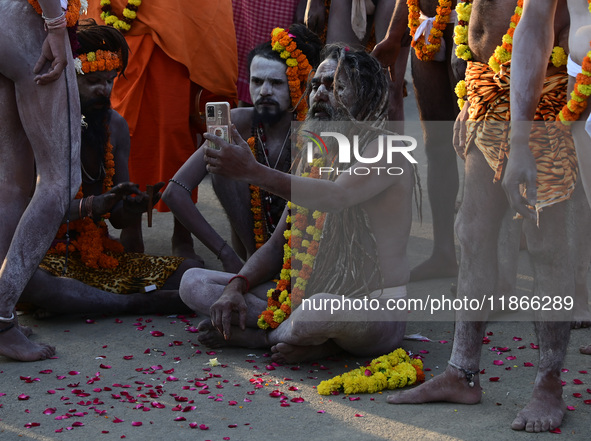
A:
14,344
286,353
451,386
585,350
184,249
209,335
434,268
544,411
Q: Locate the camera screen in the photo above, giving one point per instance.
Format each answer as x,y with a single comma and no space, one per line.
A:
210,112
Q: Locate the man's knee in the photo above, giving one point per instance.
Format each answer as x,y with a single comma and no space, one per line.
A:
193,288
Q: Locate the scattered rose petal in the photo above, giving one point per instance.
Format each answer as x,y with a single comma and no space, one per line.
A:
117,420
583,372
587,401
157,333
136,423
577,381
498,362
440,341
358,415
203,427
46,371
211,352
232,426
570,407
564,370
354,398
511,357
23,397
528,364
297,400
127,357
557,430
533,346
321,411
50,410
577,395
494,379
180,419
104,366
232,403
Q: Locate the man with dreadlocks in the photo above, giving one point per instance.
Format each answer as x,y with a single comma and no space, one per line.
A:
90,272
39,140
253,213
357,249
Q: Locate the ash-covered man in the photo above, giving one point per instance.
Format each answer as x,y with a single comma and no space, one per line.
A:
493,154
358,250
98,276
267,126
39,139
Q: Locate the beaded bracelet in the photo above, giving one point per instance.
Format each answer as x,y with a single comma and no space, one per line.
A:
180,184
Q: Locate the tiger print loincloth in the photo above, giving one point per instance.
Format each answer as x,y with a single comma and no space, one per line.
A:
134,272
552,147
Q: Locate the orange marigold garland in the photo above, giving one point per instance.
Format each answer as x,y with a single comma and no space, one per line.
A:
92,239
298,69
97,61
256,206
72,14
426,51
303,233
582,90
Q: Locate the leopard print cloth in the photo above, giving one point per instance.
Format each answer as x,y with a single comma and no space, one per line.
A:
552,147
134,272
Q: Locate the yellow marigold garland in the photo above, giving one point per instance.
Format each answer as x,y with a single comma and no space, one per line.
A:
582,90
92,239
298,69
97,61
391,371
299,252
423,51
502,53
129,15
72,14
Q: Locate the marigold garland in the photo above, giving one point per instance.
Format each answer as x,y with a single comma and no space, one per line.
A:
391,371
256,206
72,14
582,90
92,240
97,61
298,69
424,51
129,15
303,233
502,53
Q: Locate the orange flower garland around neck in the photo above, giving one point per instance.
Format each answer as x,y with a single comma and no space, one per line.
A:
302,241
426,51
72,14
97,61
298,69
256,206
92,239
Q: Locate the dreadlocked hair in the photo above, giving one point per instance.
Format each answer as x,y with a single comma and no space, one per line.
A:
366,76
93,37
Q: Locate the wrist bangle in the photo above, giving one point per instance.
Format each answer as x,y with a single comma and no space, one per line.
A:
80,208
88,204
221,249
55,23
238,276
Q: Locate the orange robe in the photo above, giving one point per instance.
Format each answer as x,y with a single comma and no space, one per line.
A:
178,47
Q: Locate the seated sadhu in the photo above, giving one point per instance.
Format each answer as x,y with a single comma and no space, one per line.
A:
97,275
342,238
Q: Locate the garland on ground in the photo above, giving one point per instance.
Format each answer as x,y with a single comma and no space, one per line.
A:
92,239
426,51
303,233
129,15
391,371
298,69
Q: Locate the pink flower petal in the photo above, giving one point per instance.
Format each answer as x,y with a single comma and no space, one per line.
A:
180,419
127,357
494,379
73,373
583,372
46,371
577,395
50,411
511,357
354,398
533,346
23,397
358,415
440,341
297,400
528,364
203,427
232,426
577,381
321,411
157,333
587,401
570,407
232,403
117,420
136,423
564,370
517,339
498,362
557,430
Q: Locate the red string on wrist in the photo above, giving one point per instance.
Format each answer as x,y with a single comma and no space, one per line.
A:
238,276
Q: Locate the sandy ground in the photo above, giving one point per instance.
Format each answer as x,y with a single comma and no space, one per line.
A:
146,378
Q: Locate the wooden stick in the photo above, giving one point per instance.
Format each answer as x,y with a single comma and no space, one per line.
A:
150,191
